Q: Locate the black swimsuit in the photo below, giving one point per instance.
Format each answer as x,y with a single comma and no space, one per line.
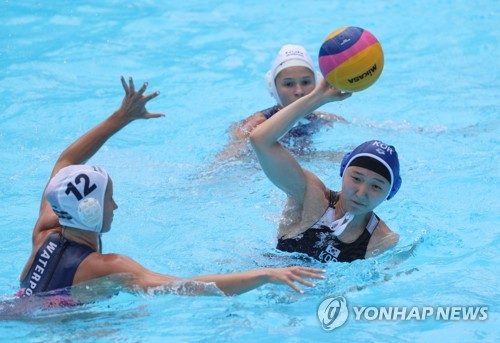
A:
320,243
55,265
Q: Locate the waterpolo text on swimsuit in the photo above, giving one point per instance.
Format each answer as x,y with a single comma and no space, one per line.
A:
39,270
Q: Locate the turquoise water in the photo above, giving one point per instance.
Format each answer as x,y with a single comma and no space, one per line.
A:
182,213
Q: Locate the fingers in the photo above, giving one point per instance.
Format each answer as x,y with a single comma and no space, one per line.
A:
151,96
132,86
140,92
294,278
130,89
345,95
310,275
294,286
297,274
312,270
153,115
323,83
143,89
309,272
125,86
134,103
303,281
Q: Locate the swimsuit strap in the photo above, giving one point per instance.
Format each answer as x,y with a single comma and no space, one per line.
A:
372,223
269,112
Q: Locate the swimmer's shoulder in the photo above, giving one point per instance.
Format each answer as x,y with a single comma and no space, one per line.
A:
315,185
383,239
47,223
97,265
300,214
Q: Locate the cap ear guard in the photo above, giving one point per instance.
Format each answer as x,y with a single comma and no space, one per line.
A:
271,87
344,162
395,187
90,211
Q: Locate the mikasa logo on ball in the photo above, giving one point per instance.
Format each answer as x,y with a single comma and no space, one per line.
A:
365,74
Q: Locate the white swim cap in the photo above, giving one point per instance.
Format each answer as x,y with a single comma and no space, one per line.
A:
289,56
76,194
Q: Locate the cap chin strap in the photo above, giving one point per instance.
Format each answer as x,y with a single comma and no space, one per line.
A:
339,226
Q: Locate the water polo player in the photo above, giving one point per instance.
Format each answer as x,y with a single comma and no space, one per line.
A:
319,222
77,208
291,77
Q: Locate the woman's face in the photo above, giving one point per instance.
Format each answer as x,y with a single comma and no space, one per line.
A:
293,83
109,206
363,190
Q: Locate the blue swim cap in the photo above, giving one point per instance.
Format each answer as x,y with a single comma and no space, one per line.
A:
379,158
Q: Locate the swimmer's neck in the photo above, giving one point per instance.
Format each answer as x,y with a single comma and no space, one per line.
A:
355,228
88,238
359,221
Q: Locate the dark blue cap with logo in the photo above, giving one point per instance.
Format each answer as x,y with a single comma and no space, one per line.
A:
378,157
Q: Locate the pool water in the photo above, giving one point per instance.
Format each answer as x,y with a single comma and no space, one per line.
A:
182,212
